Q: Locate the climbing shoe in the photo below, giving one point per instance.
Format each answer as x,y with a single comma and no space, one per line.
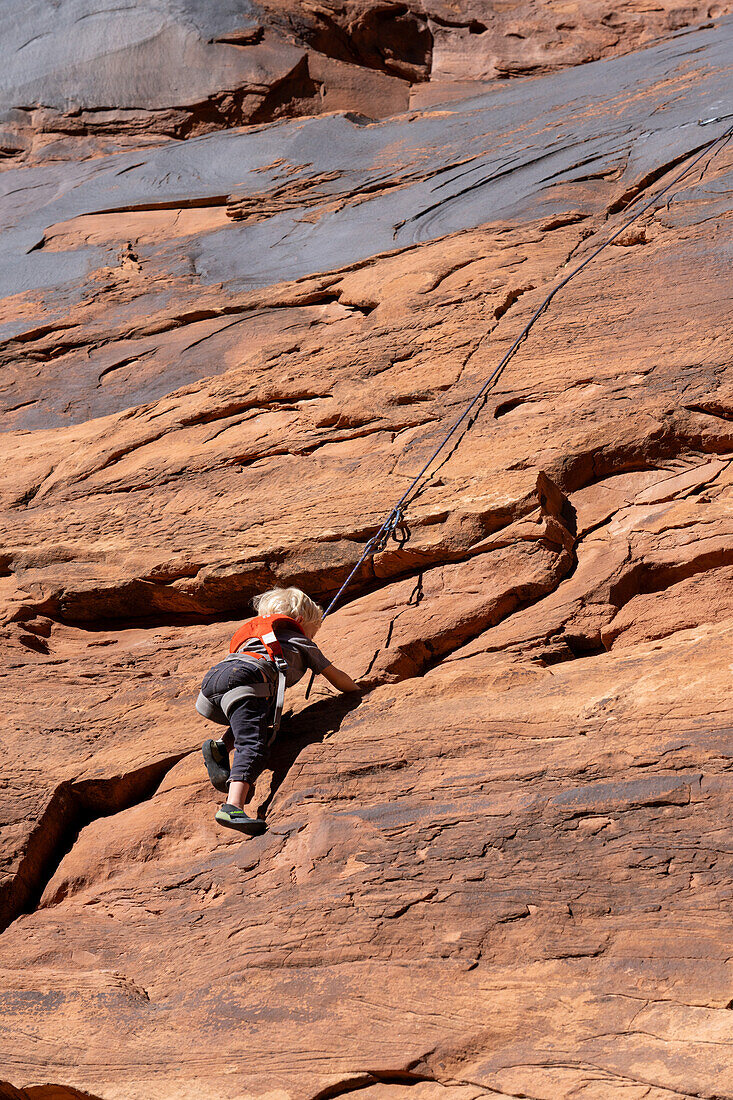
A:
234,818
216,759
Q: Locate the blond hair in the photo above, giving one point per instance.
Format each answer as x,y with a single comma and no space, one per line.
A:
291,602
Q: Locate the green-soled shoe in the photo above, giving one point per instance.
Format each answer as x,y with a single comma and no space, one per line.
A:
216,759
234,818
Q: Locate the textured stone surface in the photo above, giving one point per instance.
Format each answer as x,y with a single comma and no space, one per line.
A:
82,75
506,870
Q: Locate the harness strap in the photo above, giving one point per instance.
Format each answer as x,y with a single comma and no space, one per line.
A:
273,647
274,651
282,668
209,710
244,691
251,659
262,630
266,690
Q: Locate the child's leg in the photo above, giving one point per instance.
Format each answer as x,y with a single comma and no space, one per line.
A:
249,728
218,681
216,752
239,793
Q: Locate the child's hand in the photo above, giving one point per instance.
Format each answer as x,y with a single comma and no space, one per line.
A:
340,680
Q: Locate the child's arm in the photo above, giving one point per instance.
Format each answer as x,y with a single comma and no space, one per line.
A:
339,679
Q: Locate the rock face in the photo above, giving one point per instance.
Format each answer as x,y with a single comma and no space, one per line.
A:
505,870
152,70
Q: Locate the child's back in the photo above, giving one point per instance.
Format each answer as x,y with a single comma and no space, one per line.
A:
244,692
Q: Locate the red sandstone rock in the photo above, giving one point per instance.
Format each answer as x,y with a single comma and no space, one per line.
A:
504,871
85,79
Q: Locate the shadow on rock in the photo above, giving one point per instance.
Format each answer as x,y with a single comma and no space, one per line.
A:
309,727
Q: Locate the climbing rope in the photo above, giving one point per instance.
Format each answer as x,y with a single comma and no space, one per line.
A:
395,526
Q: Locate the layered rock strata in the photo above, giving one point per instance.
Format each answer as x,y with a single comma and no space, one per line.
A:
504,871
84,77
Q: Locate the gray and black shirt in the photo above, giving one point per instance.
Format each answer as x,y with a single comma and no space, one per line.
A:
299,652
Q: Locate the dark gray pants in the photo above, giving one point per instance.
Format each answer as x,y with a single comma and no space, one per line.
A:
237,694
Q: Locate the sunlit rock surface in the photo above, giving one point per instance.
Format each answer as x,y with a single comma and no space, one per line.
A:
505,871
80,77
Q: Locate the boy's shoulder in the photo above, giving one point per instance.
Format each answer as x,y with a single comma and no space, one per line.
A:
309,650
291,636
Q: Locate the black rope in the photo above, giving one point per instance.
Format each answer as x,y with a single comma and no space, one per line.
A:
395,526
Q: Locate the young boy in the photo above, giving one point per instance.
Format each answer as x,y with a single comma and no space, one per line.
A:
268,654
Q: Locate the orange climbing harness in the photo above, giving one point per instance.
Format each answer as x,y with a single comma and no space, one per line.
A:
263,629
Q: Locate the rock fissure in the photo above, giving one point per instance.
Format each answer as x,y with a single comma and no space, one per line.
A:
582,471
72,806
647,181
371,1077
